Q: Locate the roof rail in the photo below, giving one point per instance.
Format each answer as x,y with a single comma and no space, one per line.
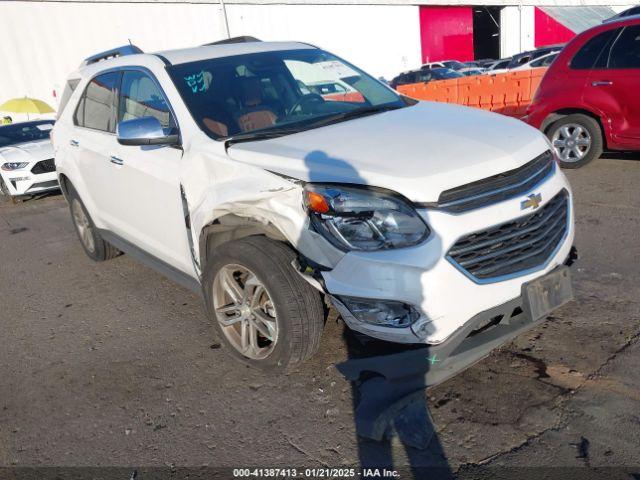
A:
241,39
113,53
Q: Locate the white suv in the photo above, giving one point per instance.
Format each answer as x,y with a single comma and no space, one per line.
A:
422,223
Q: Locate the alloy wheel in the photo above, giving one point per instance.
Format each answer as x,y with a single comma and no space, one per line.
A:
571,142
83,225
245,311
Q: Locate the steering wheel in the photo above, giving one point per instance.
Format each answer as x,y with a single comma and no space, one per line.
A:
303,101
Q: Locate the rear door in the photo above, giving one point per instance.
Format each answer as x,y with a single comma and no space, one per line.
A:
576,84
92,140
614,86
147,197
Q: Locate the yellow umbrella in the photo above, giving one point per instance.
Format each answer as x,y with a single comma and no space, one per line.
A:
26,105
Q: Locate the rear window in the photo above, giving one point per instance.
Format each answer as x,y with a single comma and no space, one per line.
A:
590,55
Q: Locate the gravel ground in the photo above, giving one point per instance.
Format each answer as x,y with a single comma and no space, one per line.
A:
112,365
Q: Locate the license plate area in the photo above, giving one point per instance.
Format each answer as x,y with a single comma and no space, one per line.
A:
545,294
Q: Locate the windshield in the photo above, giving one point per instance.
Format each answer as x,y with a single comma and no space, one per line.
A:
453,64
24,132
291,89
444,73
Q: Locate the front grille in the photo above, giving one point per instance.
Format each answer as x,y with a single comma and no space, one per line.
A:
514,246
497,188
44,166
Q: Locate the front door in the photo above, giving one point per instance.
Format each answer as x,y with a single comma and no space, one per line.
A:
149,200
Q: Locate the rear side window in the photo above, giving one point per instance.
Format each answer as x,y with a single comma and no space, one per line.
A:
69,88
625,51
591,54
141,97
96,108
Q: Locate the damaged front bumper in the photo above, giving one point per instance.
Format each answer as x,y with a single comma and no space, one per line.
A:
485,332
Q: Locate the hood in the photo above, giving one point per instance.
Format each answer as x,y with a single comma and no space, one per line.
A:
418,151
27,152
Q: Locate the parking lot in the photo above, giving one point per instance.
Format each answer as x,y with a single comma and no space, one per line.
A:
112,364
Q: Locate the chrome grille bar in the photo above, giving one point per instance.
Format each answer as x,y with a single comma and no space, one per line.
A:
515,246
499,187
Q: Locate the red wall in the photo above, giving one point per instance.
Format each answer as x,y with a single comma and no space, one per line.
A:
446,33
548,31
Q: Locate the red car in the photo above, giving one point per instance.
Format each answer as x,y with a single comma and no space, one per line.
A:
589,99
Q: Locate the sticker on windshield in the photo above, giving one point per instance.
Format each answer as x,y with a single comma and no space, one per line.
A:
199,82
45,127
337,69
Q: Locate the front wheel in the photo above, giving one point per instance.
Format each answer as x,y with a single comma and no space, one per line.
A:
576,140
265,313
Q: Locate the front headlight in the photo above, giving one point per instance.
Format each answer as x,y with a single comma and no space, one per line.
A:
10,166
355,218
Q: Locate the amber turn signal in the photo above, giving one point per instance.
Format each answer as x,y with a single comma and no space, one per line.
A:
316,202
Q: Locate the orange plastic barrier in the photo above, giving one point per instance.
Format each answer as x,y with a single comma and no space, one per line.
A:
508,93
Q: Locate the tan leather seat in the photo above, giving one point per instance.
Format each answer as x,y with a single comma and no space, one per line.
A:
254,114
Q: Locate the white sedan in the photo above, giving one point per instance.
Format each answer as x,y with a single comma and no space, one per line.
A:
27,166
543,61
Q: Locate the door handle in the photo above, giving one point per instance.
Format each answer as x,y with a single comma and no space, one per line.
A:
74,143
116,160
601,83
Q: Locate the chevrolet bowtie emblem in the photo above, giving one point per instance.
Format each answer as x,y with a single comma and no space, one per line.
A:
533,201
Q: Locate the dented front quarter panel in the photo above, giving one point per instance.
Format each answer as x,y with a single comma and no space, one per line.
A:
215,185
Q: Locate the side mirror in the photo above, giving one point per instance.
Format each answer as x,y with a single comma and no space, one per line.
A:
144,131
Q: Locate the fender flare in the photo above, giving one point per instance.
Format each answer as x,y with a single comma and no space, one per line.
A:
563,112
233,227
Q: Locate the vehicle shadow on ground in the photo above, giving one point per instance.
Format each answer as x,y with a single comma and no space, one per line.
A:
30,198
621,155
387,408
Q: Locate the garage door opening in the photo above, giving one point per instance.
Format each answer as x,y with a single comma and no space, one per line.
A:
486,32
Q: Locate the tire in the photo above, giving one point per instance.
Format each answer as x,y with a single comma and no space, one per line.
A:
93,244
5,194
269,289
576,139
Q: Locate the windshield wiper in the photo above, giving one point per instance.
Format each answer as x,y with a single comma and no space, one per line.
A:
327,120
358,112
266,135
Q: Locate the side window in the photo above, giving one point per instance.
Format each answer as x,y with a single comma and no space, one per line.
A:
140,97
69,88
96,109
591,54
625,51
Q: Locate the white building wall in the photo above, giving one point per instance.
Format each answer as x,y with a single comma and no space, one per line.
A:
381,39
42,42
517,30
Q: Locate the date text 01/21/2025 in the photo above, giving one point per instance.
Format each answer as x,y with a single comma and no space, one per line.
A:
313,473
